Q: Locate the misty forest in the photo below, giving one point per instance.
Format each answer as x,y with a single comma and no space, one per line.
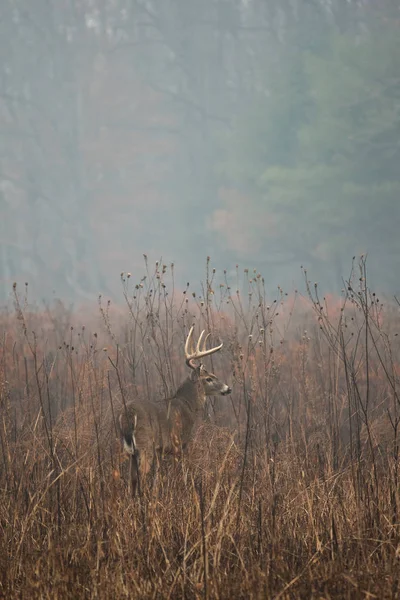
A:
173,167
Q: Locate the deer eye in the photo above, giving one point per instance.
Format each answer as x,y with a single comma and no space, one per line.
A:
209,379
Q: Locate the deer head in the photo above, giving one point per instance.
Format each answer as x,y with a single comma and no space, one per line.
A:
210,383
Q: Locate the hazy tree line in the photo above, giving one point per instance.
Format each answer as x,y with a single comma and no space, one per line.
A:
265,132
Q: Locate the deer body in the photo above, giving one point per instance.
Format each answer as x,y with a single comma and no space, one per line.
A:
166,426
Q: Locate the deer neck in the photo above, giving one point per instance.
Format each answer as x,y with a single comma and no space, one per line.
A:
190,395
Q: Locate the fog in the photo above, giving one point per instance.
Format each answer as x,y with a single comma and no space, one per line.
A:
264,133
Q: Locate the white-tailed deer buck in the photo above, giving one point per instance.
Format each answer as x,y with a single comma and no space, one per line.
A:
152,429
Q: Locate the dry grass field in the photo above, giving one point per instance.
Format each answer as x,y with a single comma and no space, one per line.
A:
289,488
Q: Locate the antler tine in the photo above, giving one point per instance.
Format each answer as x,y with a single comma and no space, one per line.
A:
212,350
198,349
205,342
189,352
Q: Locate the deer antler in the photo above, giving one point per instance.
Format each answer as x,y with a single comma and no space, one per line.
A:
196,354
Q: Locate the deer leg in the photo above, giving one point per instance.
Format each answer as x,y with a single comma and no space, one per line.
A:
153,470
134,473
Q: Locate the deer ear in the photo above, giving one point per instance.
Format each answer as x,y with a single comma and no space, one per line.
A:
195,374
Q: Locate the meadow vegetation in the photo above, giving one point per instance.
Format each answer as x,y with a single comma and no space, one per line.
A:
290,488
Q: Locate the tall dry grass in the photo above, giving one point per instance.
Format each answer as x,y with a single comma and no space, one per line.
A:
290,488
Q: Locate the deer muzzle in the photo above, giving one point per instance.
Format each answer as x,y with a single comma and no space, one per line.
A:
226,390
